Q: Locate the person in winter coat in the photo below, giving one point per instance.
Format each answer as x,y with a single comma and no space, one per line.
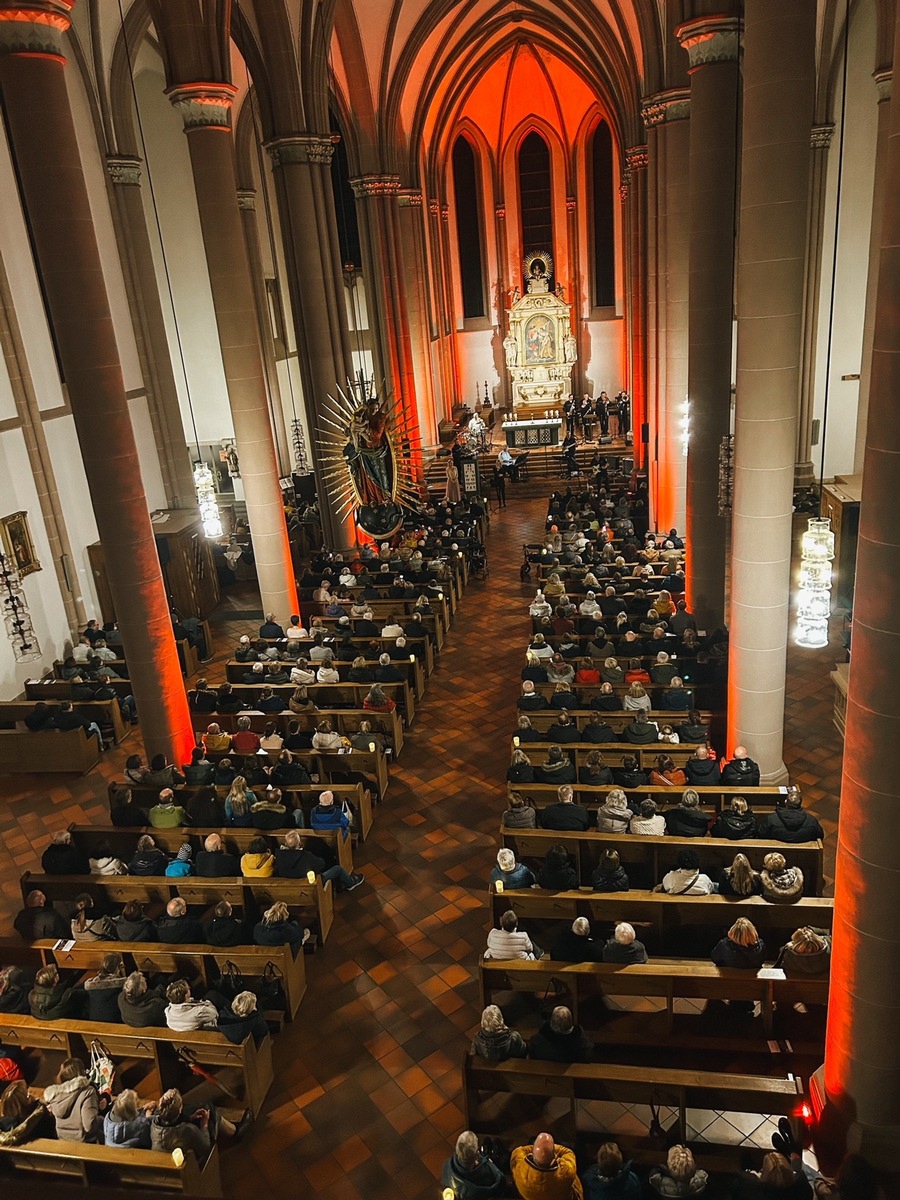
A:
779,882
614,815
132,926
610,875
495,1041
545,1171
575,944
649,822
468,1174
127,1124
565,815
557,769
225,929
148,858
62,856
50,999
184,1013
167,814
509,941
520,769
22,1116
736,822
38,919
74,1102
171,1129
702,770
623,947
519,815
277,929
807,954
558,873
666,774
779,1179
181,865
104,988
90,925
561,1040
741,947
258,862
739,879
680,1176
178,927
14,988
243,1019
598,732
510,873
688,819
790,822
611,1178
741,771
141,1007
595,773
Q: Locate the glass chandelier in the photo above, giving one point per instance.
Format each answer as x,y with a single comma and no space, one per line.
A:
206,499
814,600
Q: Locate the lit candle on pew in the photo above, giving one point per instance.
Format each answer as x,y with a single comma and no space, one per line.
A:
310,877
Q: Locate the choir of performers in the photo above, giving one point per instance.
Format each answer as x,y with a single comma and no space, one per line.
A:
583,414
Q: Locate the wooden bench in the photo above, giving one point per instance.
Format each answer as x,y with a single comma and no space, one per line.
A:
148,1172
654,856
344,720
668,979
424,662
315,900
410,666
716,798
72,750
660,916
106,713
614,754
543,718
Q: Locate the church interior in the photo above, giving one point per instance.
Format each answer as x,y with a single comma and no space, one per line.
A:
448,454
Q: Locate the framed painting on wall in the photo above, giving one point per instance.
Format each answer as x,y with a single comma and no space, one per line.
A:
17,543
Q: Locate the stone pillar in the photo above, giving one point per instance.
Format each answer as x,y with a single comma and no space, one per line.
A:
130,220
412,256
205,109
862,1053
779,97
883,83
713,46
636,160
42,134
303,180
820,142
666,114
656,240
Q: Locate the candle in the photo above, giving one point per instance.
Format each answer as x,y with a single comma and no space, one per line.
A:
310,876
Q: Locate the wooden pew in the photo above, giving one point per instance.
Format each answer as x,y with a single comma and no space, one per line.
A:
668,979
423,666
614,752
410,666
655,855
716,799
148,1172
105,712
314,899
343,720
71,750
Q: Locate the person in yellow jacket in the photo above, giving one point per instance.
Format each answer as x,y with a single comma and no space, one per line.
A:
258,862
545,1171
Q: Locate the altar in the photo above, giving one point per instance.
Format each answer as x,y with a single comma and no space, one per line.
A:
540,346
525,433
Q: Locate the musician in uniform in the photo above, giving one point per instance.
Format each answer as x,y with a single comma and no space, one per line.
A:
603,413
568,411
587,417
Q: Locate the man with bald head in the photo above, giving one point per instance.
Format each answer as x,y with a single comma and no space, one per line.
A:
742,771
545,1171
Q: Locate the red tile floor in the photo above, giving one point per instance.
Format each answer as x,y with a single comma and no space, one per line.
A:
366,1101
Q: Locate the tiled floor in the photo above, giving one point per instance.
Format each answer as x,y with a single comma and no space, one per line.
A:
366,1102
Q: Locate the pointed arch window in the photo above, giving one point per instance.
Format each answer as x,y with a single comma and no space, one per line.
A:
604,217
535,194
466,191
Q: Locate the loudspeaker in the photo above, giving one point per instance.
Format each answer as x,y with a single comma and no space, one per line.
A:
645,433
305,488
606,439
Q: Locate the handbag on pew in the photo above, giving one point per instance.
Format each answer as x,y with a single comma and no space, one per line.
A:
102,1071
230,982
270,988
558,993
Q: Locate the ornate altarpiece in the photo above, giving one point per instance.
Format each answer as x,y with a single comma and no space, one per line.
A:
540,346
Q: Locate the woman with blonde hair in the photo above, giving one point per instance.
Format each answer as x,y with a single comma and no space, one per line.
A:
520,769
23,1116
739,879
741,947
680,1176
127,1124
238,803
808,953
736,822
636,699
663,605
612,672
495,1041
277,929
780,883
588,673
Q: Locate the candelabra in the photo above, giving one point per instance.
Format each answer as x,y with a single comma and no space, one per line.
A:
814,599
298,437
206,499
19,628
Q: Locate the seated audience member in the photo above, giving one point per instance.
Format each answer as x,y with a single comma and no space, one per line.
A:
50,999
534,670
277,928
148,859
606,700
104,988
736,822
641,731
557,768
88,924
666,774
741,947
225,929
598,731
680,1176
558,874
739,879
614,815
204,808
611,1177
623,946
133,926
686,878
609,875
289,772
181,865
563,697
127,1123
545,1171
790,822
667,734
559,670
694,729
519,815
226,773
39,717
162,774
327,815
468,1173
779,1179
808,953
242,1019
649,822
326,738
510,873
595,773
509,941
611,672
530,700
124,812
171,1129
662,672
495,1041
184,1013
741,771
258,862
63,857
39,919
199,772
565,815
687,819
676,698
244,741
295,859
227,701
238,803
75,1104
561,1040
629,775
563,731
526,732
269,811
779,882
202,699
23,1117
141,1006
15,985
166,814
636,700
575,944
540,649
177,927
588,674
214,861
701,769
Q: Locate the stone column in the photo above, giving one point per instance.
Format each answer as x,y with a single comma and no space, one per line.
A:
636,159
666,114
883,84
303,180
862,1053
124,173
412,252
42,133
820,142
779,97
713,46
205,109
